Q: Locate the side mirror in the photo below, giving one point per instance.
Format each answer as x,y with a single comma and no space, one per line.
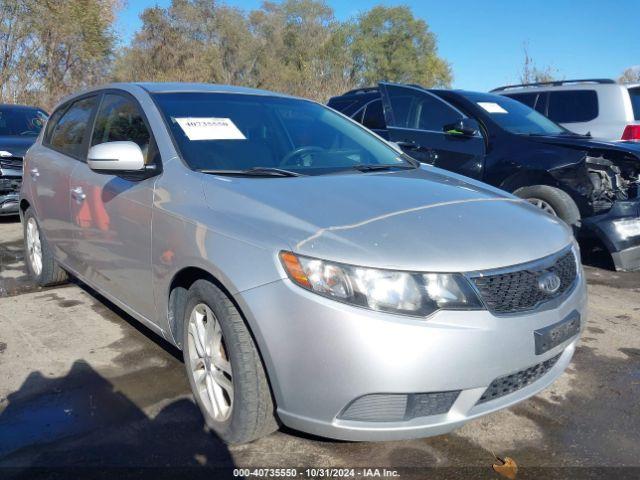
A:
465,127
395,146
116,157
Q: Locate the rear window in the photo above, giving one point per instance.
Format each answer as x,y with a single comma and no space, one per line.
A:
634,93
529,99
570,106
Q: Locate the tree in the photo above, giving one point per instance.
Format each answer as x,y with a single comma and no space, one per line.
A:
630,75
301,49
295,46
52,48
192,40
532,74
389,43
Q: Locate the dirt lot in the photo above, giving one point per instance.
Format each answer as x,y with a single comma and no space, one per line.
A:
82,385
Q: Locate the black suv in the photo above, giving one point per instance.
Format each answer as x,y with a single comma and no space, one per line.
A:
591,185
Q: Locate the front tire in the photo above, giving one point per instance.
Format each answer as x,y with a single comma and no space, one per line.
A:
553,201
224,368
41,265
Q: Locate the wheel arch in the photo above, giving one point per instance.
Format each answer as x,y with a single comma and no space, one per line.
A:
24,205
528,179
180,283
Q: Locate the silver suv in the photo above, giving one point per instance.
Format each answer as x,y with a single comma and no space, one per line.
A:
603,108
313,275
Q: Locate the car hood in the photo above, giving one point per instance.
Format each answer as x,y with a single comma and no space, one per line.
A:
15,145
423,220
586,143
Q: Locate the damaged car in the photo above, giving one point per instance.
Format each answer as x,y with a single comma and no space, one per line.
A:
591,185
19,127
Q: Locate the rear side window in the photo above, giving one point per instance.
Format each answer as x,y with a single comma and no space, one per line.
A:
421,110
373,116
529,99
68,134
341,105
569,106
634,93
119,120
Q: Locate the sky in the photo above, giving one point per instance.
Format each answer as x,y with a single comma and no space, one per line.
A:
483,39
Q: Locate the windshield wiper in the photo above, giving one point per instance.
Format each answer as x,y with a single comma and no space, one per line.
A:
254,172
378,167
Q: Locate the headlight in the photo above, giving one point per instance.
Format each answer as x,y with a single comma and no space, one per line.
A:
407,293
627,228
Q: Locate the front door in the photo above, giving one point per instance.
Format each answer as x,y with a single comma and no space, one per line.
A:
112,214
417,121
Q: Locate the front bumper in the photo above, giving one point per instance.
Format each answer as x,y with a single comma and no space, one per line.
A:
10,182
625,251
9,203
322,355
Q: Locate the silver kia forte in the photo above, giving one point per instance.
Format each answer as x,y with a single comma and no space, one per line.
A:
311,273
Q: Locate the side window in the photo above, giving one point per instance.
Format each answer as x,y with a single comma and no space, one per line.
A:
529,99
415,109
68,133
569,106
373,116
51,124
634,93
118,120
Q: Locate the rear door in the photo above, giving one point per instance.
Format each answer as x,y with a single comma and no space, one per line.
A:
49,170
417,121
111,214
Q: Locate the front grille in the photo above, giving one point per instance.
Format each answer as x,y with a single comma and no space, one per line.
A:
14,163
502,386
9,185
518,290
398,407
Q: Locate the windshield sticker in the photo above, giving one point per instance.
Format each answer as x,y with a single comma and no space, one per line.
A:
210,128
492,107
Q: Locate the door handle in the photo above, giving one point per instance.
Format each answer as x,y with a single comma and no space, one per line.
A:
78,194
34,173
407,144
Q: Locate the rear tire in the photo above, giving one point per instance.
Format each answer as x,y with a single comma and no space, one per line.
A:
41,265
554,201
225,371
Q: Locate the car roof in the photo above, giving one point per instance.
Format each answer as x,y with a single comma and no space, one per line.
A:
173,87
168,87
586,84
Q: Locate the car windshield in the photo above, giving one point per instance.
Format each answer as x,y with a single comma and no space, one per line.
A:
515,116
25,121
236,132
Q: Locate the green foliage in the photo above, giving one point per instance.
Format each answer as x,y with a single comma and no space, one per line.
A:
389,43
50,48
295,46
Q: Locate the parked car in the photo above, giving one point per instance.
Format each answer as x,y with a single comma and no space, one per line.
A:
591,185
601,108
313,275
19,127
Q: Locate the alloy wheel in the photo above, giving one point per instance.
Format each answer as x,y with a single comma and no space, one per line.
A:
34,247
542,205
210,363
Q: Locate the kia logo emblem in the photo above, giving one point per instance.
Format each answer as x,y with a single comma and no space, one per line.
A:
549,283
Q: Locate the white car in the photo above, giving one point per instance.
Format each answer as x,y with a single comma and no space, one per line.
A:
600,107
